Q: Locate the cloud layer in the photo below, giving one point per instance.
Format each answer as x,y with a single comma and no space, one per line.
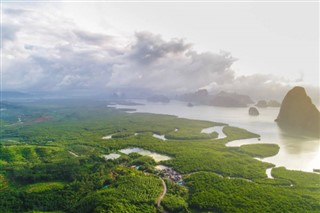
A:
151,62
43,51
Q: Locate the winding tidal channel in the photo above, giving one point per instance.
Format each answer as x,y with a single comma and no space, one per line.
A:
297,153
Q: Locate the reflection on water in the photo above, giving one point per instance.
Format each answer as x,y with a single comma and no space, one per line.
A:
161,137
268,172
295,153
107,137
161,167
111,156
157,157
297,145
237,143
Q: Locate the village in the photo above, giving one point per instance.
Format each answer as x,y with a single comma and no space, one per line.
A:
170,174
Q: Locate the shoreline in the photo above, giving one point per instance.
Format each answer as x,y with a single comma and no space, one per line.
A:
279,160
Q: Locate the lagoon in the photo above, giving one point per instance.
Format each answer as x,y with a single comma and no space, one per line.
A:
161,137
157,157
107,137
296,152
268,172
111,156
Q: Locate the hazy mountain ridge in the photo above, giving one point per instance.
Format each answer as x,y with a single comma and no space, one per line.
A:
222,99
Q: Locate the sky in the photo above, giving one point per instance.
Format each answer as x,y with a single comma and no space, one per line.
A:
256,48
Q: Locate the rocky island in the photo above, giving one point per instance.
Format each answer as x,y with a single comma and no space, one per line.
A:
298,114
253,111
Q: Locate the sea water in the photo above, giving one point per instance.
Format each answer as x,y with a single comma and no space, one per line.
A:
296,152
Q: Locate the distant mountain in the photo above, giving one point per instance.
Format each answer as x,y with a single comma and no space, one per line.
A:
6,105
298,114
158,98
225,99
200,97
262,104
14,94
222,99
271,103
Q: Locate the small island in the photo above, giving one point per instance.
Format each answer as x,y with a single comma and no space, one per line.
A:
253,111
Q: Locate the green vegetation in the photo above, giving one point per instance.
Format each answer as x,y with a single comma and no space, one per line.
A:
144,163
174,203
234,133
276,181
29,153
176,199
298,178
192,131
3,183
212,192
131,191
39,187
52,162
123,134
260,150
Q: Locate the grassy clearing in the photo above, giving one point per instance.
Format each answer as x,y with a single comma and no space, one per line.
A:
39,187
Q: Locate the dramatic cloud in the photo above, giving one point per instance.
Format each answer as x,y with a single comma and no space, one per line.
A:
171,65
53,54
44,51
9,32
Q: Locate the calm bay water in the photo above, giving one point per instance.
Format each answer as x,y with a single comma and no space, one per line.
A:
157,157
298,153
